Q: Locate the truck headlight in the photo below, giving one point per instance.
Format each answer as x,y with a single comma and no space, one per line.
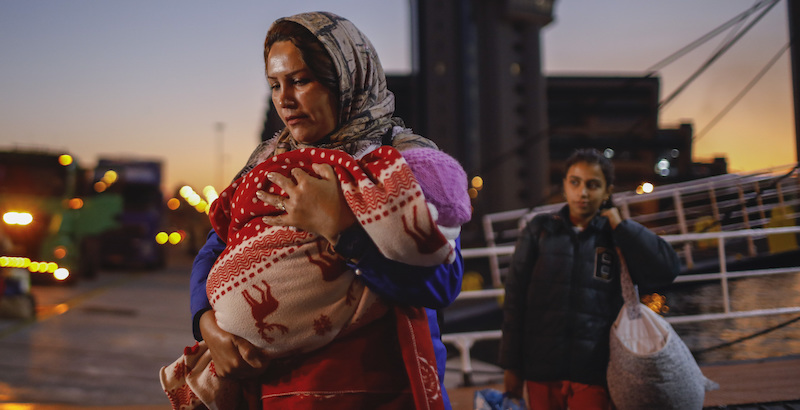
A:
17,218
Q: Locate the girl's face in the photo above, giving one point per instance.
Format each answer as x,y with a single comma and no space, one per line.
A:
585,188
308,108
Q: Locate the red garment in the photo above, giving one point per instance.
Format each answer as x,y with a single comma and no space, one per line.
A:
565,394
388,364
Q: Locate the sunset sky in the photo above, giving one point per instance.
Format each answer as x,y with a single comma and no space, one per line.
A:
153,79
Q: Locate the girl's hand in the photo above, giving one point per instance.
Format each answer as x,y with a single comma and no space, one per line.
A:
313,204
613,216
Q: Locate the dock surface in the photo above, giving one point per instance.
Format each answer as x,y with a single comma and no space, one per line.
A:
99,345
772,380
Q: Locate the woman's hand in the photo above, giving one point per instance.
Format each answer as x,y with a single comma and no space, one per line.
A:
513,384
613,216
233,356
313,204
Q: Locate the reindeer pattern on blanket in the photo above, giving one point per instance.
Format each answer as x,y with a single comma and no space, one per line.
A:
297,293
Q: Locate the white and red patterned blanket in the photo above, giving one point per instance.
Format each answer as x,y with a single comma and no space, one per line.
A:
283,289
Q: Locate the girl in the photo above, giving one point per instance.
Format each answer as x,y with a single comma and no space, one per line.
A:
563,290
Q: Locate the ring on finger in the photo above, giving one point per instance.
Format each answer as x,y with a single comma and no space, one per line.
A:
281,205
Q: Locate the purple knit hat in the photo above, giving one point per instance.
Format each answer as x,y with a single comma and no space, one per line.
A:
443,182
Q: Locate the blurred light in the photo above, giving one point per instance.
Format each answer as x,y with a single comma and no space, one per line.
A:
608,153
60,252
16,262
473,193
210,193
662,167
477,182
175,238
647,187
32,266
657,303
17,218
76,203
61,308
185,191
100,186
193,199
161,238
675,153
173,203
65,159
202,206
110,177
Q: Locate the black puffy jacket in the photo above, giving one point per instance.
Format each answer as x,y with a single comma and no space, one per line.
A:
563,293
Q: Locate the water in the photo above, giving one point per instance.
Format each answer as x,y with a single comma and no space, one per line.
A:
764,292
702,338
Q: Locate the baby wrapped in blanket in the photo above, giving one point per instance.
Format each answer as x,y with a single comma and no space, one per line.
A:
283,289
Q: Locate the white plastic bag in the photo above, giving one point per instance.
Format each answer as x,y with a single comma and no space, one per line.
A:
649,365
645,334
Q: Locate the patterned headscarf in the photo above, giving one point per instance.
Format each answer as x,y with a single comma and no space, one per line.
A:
365,104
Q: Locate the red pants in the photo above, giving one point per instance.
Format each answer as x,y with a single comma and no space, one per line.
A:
562,394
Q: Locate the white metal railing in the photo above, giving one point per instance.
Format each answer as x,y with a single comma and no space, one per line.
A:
733,201
464,341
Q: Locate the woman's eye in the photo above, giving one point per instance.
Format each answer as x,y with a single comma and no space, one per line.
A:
274,86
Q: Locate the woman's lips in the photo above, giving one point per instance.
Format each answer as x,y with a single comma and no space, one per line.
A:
294,119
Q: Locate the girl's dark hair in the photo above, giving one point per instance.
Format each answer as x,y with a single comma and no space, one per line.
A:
592,156
311,49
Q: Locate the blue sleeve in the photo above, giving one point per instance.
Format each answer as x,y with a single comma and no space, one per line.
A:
197,285
433,287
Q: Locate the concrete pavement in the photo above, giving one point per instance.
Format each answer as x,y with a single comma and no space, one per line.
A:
99,345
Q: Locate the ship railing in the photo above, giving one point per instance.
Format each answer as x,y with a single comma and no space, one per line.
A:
728,202
463,341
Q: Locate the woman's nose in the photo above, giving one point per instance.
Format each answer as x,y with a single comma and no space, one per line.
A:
285,99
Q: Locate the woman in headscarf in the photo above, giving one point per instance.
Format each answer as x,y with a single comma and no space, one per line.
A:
330,91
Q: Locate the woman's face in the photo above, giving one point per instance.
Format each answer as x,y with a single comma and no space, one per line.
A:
585,189
307,107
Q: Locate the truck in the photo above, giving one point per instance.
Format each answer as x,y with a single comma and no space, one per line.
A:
131,243
64,222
